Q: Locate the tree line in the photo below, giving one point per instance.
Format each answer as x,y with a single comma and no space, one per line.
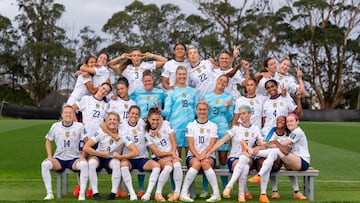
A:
320,36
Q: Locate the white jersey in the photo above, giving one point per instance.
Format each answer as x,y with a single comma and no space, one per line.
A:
270,135
121,107
239,133
202,134
169,70
261,91
162,140
79,90
67,140
93,111
134,74
137,135
256,104
232,87
273,108
288,81
202,77
101,75
299,145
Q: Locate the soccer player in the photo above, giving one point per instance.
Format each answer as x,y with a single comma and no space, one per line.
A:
221,108
102,158
162,143
264,75
201,135
149,96
134,129
252,100
179,107
122,102
297,159
132,66
276,105
238,162
201,74
169,70
67,135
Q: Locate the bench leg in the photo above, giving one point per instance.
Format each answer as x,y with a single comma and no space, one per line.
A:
65,184
309,187
58,185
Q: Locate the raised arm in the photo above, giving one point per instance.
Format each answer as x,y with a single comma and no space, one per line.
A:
159,60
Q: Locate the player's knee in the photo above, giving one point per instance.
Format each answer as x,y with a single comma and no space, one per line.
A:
83,165
93,164
47,164
114,163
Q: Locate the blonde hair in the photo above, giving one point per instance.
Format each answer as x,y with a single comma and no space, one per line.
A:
202,102
180,68
113,113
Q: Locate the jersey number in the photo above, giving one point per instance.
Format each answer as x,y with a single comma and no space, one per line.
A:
216,110
184,103
163,142
201,139
203,77
66,143
96,114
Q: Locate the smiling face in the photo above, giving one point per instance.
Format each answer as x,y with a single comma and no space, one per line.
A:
281,122
271,66
91,62
181,76
122,90
112,120
202,110
271,88
284,66
134,114
102,59
291,123
179,51
67,114
154,120
224,61
222,82
148,82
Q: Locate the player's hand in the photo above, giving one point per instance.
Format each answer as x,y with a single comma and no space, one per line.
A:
236,52
283,90
266,75
298,94
299,72
245,64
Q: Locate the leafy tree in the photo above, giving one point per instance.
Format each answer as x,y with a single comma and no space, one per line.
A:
325,37
43,53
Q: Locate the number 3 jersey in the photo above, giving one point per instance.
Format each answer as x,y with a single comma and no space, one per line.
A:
67,140
202,134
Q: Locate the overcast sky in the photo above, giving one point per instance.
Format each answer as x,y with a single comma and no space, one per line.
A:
94,13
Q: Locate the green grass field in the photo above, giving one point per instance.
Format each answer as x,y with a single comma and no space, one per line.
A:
334,148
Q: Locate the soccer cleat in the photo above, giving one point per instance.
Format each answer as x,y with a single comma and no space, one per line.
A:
241,198
275,195
299,196
248,195
227,192
81,197
146,197
214,198
174,197
256,179
96,196
121,193
76,190
133,197
111,196
204,194
49,197
89,193
140,194
263,198
186,198
159,198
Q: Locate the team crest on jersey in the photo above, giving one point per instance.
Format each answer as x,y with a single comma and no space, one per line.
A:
251,103
275,105
184,95
217,101
111,141
246,134
201,130
97,106
134,131
198,70
280,78
136,69
126,106
148,98
67,133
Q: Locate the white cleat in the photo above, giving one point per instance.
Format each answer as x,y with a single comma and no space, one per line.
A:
49,197
186,198
214,198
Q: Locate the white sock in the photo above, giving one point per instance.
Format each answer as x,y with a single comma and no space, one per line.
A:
93,178
152,179
294,183
84,174
268,163
178,176
189,178
211,176
239,167
116,175
163,177
264,182
242,180
273,181
46,166
126,176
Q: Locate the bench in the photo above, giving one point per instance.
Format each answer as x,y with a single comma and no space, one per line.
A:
309,175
